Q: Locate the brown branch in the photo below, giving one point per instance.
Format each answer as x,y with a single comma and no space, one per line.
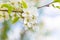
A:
22,11
12,11
45,5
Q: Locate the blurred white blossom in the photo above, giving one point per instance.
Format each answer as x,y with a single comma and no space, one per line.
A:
30,16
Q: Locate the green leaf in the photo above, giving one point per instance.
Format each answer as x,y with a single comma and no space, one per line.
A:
5,29
15,20
24,4
58,7
8,6
56,0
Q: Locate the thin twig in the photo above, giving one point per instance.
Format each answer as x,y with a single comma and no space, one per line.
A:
45,5
22,11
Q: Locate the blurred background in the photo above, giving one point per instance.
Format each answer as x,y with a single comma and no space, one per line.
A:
50,22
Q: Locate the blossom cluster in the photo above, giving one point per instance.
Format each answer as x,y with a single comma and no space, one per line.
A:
29,15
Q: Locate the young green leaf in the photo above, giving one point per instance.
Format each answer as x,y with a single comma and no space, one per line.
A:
58,7
24,4
8,6
56,0
15,20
